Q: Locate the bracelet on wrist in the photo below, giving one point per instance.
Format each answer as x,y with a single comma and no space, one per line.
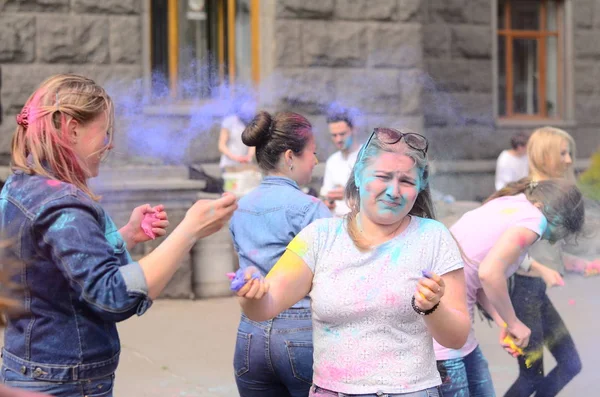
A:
422,312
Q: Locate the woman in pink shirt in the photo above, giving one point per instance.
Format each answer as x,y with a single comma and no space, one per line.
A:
551,153
495,238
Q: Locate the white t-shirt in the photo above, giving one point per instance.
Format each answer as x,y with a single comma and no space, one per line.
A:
367,338
235,127
510,168
337,172
477,232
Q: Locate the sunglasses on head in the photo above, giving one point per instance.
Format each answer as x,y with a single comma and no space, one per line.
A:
390,136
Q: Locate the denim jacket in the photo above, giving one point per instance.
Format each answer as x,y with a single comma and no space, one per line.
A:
76,277
268,218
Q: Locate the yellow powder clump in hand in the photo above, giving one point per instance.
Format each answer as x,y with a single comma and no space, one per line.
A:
508,340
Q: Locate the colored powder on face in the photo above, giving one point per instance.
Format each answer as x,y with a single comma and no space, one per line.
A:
298,246
149,218
348,142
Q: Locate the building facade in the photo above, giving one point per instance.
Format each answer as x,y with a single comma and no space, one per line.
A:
466,73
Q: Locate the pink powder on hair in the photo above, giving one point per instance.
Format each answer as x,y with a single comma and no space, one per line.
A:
149,218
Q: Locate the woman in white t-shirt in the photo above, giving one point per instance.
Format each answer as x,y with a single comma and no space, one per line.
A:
494,239
382,280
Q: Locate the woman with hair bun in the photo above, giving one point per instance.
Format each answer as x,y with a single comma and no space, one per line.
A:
274,358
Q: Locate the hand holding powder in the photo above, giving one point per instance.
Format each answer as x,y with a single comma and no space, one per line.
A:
238,279
149,218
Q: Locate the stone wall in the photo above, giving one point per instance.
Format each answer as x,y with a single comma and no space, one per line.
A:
457,95
363,54
586,15
422,64
457,101
38,38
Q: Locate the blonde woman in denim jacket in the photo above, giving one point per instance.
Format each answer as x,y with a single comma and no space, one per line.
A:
77,277
274,358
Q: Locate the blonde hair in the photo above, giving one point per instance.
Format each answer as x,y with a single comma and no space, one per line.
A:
423,206
41,144
543,152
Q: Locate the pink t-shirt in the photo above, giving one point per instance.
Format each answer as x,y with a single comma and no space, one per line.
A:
477,231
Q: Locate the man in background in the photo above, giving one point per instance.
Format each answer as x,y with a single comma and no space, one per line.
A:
512,164
339,165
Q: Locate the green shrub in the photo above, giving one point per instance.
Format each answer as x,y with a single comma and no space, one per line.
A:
589,181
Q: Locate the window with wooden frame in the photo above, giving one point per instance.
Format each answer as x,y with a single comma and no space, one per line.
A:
530,58
197,45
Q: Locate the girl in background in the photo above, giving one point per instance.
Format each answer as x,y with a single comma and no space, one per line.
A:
382,280
233,151
274,358
77,277
495,238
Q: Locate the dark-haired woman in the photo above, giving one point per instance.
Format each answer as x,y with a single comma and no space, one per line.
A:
274,358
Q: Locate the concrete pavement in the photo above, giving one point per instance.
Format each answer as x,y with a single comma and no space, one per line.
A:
185,348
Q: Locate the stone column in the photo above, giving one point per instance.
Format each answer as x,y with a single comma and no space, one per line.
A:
213,257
